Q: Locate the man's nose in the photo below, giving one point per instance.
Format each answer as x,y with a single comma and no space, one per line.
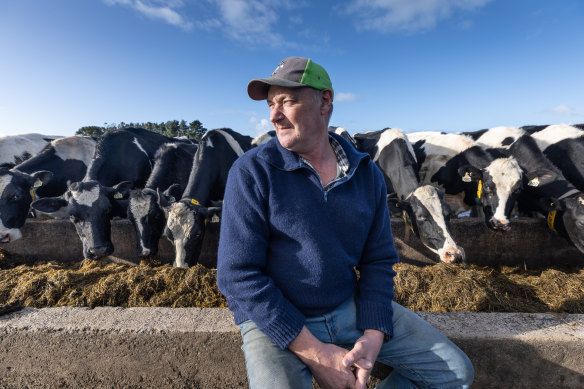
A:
275,114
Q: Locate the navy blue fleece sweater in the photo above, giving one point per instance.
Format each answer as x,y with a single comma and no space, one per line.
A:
288,248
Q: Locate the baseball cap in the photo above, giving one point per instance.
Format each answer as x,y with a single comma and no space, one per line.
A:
292,72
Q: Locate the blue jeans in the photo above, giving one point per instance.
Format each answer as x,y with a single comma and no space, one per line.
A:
418,353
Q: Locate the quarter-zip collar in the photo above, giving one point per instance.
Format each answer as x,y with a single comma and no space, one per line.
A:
283,159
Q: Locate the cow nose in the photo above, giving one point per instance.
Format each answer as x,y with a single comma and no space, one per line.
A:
145,253
502,225
453,255
99,252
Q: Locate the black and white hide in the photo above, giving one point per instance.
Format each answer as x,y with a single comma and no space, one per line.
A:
421,206
468,175
44,175
170,175
546,191
185,226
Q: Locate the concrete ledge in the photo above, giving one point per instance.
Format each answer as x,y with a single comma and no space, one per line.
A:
200,348
529,244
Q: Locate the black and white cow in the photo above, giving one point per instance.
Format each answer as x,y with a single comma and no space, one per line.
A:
185,226
44,175
547,191
15,149
422,206
563,145
90,207
468,175
170,175
123,159
344,133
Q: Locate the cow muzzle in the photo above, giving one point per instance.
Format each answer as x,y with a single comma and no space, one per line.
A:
10,236
452,255
499,225
99,252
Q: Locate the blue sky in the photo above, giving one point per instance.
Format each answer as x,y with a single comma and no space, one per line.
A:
449,65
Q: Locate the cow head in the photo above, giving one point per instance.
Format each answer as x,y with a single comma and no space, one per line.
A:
16,194
572,211
495,188
427,214
148,217
185,228
89,206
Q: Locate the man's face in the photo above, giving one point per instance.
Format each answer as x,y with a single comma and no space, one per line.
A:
297,116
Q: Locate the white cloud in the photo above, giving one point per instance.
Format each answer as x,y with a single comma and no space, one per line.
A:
406,15
165,10
344,97
261,125
562,110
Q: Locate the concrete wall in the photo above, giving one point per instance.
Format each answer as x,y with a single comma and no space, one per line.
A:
529,243
200,348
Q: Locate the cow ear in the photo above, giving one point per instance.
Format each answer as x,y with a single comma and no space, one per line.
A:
41,177
213,213
122,190
538,177
173,192
53,206
550,204
470,173
163,201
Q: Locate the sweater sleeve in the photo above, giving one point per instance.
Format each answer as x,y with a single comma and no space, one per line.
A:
241,260
376,272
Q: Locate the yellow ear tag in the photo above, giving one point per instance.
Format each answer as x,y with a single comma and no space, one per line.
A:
466,177
406,221
194,202
480,189
551,218
32,194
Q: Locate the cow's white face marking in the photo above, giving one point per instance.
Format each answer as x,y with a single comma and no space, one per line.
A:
495,136
554,134
86,197
180,221
75,147
388,136
232,142
5,180
139,207
505,173
428,196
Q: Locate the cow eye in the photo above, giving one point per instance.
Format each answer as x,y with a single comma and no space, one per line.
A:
16,197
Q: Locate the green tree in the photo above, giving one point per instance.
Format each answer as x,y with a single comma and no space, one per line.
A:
94,131
196,130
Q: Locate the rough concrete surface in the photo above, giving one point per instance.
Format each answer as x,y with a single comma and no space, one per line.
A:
200,348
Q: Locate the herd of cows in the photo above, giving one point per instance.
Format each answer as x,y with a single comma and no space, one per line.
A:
170,187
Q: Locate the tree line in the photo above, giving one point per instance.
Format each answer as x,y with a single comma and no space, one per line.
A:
172,128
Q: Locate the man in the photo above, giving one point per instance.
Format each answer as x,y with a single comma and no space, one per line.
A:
300,213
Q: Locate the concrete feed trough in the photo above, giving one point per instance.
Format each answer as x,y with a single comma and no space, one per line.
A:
200,348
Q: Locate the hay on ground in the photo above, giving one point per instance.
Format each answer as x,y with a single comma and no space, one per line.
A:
438,288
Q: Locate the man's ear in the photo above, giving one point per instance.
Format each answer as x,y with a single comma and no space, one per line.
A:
326,101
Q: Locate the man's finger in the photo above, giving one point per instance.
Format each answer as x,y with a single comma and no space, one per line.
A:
364,363
361,376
